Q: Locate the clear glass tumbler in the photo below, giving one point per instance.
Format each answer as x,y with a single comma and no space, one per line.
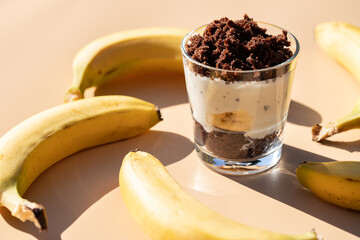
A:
239,124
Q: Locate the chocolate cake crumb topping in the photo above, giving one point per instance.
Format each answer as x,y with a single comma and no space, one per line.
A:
238,45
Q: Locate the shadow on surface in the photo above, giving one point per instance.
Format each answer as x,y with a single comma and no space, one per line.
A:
161,89
300,114
281,184
352,146
73,185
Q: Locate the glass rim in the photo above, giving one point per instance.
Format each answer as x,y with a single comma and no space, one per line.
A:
288,61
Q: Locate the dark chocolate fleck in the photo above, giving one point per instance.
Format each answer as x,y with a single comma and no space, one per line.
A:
110,71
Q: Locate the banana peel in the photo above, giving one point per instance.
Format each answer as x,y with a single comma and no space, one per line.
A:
124,53
341,41
40,141
166,211
336,182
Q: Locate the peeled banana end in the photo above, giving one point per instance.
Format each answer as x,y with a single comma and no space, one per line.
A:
319,133
73,94
33,212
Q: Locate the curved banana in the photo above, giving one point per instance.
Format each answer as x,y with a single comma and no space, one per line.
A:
125,52
166,211
47,137
336,182
341,41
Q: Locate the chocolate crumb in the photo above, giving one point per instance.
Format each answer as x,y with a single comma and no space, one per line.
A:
231,146
237,45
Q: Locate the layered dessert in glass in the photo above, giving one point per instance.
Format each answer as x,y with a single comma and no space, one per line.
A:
239,76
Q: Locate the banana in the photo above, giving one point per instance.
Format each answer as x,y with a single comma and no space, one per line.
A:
47,137
348,122
336,182
125,52
166,211
341,41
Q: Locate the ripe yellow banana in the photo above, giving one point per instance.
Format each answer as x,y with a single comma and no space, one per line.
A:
341,41
47,137
336,182
166,211
125,52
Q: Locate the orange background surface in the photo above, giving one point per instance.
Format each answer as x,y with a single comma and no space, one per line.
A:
39,39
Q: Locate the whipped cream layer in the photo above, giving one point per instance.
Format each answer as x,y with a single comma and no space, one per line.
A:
256,108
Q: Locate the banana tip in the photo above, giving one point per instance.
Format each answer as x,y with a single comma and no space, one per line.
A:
73,94
319,133
40,216
317,236
303,162
159,113
316,129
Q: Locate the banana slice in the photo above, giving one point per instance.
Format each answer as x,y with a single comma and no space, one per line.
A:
236,121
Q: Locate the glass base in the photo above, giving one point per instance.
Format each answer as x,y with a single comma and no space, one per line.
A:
236,167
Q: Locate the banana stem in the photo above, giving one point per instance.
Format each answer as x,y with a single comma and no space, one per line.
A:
23,209
72,94
309,236
350,121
